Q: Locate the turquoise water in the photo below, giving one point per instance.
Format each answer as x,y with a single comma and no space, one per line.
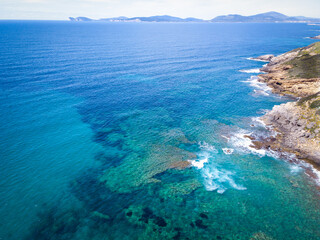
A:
97,118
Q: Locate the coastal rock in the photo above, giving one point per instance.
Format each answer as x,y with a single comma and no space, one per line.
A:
266,58
298,130
316,37
295,73
297,124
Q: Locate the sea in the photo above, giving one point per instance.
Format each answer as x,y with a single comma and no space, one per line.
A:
138,131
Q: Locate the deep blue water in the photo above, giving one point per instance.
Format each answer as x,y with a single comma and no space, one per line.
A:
96,116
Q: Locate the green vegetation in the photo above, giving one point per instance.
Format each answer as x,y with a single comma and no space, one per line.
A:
306,66
307,63
316,48
315,104
305,99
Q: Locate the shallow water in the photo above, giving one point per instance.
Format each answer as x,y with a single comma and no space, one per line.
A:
96,118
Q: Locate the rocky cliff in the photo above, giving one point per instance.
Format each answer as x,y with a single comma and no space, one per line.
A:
295,73
297,124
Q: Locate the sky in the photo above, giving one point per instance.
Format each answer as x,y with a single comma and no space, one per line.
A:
205,9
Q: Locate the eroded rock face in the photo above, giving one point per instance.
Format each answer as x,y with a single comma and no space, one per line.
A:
295,73
298,128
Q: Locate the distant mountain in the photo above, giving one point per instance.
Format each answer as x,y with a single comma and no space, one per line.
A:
194,20
269,16
164,18
80,19
229,18
263,17
117,19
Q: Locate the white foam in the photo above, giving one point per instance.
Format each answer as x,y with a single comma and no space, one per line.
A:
227,151
225,137
258,122
260,88
215,177
219,180
204,155
254,82
244,144
260,92
295,168
317,173
199,163
254,70
207,147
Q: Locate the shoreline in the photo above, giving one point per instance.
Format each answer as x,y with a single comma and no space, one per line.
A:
296,125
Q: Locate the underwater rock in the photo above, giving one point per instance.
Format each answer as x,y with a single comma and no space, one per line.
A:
199,224
175,137
155,226
140,170
260,236
181,165
203,215
160,222
177,190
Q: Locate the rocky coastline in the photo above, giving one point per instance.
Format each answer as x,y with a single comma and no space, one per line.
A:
296,124
316,37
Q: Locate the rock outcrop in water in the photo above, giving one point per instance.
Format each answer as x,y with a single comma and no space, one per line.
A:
295,73
316,37
266,58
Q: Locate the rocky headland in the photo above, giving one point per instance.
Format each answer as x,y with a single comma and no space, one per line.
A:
296,124
316,37
264,58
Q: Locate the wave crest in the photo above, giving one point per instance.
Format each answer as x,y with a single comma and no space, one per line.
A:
215,176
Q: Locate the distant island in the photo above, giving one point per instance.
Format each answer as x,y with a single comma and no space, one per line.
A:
268,17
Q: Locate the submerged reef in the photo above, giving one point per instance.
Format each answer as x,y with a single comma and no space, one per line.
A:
297,124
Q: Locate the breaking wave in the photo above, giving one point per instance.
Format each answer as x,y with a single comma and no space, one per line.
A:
243,144
254,70
260,88
219,179
214,175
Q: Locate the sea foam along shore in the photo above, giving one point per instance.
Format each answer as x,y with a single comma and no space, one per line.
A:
297,124
215,176
254,70
259,88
